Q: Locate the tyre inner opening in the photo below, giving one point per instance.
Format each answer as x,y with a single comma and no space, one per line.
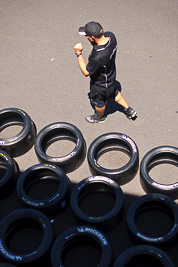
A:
81,251
10,131
96,199
164,170
41,185
143,260
112,154
154,219
24,236
10,125
59,143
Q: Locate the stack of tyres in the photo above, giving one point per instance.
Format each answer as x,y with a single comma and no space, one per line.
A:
154,157
84,236
103,186
50,204
22,142
24,219
110,142
150,202
61,131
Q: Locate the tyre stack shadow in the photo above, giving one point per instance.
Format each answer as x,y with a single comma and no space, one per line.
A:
118,236
66,219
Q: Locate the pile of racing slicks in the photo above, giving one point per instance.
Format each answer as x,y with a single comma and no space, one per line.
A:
90,232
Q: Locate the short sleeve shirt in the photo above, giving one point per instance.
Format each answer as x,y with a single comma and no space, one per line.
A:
101,62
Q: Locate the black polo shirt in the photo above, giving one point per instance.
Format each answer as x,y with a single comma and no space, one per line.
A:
101,62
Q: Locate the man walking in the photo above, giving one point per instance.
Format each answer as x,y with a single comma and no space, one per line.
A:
102,70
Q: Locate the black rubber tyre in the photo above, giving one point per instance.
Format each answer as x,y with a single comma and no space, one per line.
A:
72,236
43,172
61,131
114,141
143,255
16,220
25,139
148,201
10,174
156,156
100,184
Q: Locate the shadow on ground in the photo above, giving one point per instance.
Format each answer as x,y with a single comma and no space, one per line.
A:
111,106
117,235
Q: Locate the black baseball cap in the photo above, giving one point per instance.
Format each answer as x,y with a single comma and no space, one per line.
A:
91,29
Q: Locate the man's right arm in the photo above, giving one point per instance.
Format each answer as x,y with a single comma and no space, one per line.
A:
82,64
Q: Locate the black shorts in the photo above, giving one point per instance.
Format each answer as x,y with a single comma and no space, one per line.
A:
99,96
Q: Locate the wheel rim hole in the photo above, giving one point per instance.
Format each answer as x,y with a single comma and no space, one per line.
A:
143,260
58,142
60,148
164,173
24,236
96,200
154,220
10,131
81,251
41,185
113,159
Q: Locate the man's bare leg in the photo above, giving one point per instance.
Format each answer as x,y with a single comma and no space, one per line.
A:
100,111
129,112
100,116
121,101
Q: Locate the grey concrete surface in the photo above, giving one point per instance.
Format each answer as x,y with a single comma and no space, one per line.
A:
39,72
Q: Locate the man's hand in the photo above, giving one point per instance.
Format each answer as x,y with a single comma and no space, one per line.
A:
82,64
78,48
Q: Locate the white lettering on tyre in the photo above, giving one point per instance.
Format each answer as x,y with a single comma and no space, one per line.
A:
95,232
130,142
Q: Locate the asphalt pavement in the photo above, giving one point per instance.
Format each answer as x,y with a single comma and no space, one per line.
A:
39,74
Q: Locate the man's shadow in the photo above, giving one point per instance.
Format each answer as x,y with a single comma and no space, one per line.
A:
111,106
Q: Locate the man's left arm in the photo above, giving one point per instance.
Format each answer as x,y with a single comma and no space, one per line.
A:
82,64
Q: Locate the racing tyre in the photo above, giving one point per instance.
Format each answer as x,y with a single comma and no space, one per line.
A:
114,141
153,205
101,185
156,156
77,238
9,172
20,221
50,176
22,142
143,255
61,131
